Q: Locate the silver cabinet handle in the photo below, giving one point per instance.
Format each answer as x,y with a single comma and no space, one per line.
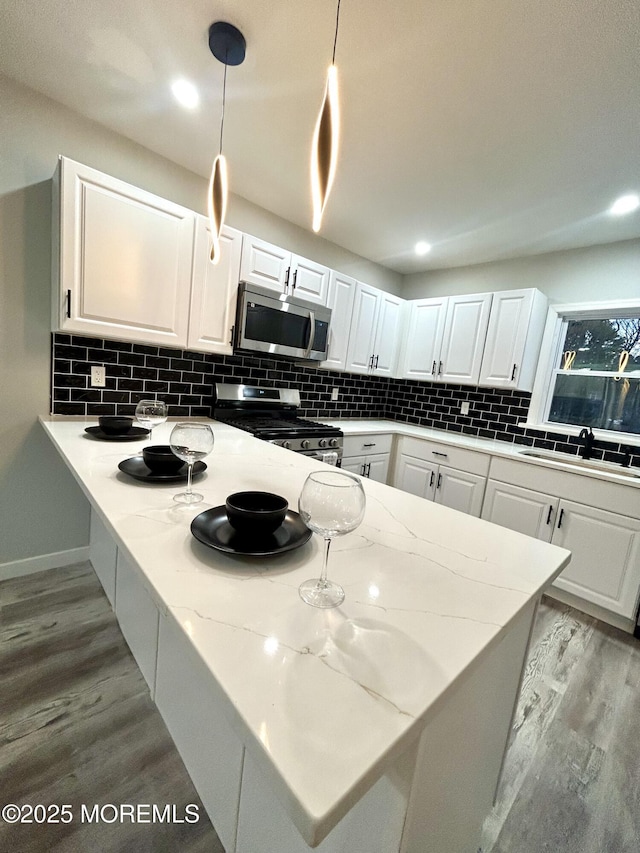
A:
433,368
440,369
433,474
375,366
295,280
439,483
371,363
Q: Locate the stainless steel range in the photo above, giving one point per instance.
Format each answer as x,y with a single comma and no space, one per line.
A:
271,414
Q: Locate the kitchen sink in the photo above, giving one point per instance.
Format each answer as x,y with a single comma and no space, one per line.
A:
579,462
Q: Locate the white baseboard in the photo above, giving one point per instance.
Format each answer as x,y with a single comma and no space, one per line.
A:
30,565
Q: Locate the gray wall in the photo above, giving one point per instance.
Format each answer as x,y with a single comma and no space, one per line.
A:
593,274
41,509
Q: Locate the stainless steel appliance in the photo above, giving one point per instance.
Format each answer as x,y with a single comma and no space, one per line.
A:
268,322
271,414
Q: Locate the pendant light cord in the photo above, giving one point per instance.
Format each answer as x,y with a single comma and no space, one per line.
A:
224,99
335,38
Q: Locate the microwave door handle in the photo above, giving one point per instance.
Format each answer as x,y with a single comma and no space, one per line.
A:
312,332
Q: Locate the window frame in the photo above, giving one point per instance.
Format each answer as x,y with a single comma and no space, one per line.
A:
550,351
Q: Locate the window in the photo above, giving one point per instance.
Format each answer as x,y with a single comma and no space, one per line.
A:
593,376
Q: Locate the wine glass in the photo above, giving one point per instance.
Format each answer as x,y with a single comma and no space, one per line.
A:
151,413
331,503
190,442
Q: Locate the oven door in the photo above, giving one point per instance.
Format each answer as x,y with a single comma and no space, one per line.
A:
281,325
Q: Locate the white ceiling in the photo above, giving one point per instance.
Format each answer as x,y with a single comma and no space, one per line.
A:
490,128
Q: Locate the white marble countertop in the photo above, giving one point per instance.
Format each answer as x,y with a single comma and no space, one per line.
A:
610,472
325,700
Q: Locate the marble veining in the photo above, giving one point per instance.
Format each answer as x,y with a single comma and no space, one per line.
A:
325,700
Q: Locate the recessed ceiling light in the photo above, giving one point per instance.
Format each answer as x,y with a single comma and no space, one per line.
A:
423,248
625,204
185,94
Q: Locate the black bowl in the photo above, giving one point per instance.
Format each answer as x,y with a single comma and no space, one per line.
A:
161,459
257,513
115,424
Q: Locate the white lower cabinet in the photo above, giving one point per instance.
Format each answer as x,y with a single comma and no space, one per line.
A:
138,619
604,545
450,476
367,455
191,705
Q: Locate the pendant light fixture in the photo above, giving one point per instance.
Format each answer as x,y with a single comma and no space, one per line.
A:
324,149
228,45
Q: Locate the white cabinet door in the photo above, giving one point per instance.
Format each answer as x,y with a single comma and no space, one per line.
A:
342,294
377,467
531,513
459,490
265,264
415,476
353,464
424,338
214,290
125,259
464,338
309,280
605,561
387,339
514,335
363,328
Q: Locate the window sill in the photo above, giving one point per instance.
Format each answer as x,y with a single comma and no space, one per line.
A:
600,434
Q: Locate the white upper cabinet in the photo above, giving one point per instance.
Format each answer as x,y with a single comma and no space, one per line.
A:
464,337
516,326
423,342
264,264
214,290
387,338
342,294
124,262
445,338
309,280
270,266
375,331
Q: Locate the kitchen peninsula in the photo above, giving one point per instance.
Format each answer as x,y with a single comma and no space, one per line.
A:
376,727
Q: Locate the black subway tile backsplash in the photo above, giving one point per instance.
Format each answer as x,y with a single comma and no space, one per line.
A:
185,379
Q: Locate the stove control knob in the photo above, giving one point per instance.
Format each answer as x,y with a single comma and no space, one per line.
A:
322,442
286,444
305,444
333,442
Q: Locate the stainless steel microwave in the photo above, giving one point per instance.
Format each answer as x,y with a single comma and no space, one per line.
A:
268,322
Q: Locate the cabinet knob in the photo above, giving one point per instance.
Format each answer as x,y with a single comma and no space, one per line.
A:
305,444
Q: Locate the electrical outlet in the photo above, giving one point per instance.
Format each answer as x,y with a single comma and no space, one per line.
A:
464,408
334,394
98,376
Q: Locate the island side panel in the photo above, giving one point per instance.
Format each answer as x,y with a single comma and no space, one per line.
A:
373,825
461,750
193,710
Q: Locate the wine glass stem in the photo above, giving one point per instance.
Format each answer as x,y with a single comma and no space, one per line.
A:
322,582
189,467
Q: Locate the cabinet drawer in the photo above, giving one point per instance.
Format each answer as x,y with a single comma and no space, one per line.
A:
445,454
357,445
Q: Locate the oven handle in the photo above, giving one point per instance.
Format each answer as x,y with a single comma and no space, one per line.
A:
312,332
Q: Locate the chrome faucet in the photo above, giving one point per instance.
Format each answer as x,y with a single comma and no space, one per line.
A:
587,436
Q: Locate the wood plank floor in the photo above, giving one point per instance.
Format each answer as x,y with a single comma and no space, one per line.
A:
77,724
572,775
